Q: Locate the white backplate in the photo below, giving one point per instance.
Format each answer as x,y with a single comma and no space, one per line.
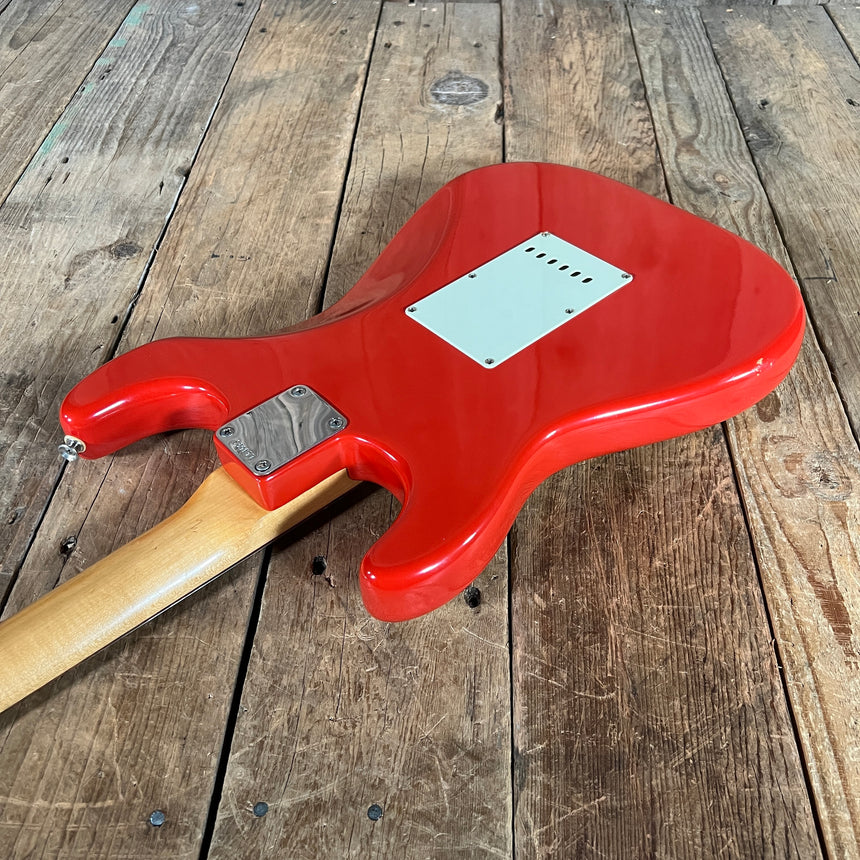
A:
517,298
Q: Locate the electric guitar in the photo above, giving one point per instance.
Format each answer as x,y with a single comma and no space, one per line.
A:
527,317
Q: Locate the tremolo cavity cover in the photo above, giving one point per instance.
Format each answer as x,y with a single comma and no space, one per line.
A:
692,325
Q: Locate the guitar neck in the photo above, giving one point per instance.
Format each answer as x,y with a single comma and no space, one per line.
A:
216,528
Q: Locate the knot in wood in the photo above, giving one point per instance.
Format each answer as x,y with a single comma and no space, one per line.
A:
455,88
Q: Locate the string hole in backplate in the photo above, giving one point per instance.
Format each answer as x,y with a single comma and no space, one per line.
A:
575,274
551,262
562,268
586,280
541,255
529,250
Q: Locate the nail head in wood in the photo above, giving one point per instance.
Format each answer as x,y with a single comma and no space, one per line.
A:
472,596
67,545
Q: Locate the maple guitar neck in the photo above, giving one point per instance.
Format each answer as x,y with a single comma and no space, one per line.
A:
216,528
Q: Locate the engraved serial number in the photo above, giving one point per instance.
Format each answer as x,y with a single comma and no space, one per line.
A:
243,450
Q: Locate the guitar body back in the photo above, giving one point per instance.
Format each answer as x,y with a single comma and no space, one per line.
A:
527,317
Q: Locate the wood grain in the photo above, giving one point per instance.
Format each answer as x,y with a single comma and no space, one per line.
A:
141,726
797,457
846,16
796,116
340,711
39,75
645,685
397,166
77,230
649,716
601,76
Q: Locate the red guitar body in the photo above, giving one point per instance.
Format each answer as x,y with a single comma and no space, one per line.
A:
702,326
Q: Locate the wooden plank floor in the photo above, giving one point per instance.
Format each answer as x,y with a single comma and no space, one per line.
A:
665,659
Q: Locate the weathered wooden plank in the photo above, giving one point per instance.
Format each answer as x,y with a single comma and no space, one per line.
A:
73,245
602,76
341,712
800,126
792,3
46,51
649,717
441,3
688,4
799,482
86,761
799,462
847,18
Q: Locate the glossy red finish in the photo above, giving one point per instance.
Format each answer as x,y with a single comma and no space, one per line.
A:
708,326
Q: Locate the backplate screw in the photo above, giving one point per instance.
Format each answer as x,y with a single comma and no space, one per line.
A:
568,310
626,276
472,275
262,466
335,423
489,361
298,391
412,309
545,234
226,431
